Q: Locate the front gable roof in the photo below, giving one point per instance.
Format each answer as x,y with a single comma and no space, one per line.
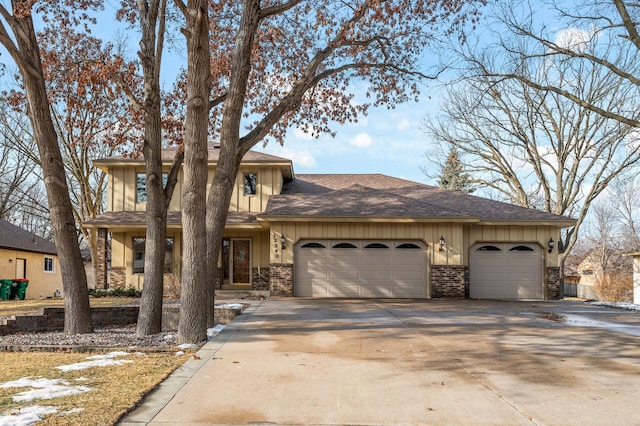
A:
15,238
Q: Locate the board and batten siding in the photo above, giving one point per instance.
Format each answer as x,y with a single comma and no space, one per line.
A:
429,233
459,237
122,189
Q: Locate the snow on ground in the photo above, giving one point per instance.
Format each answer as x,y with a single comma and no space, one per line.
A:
212,332
98,361
26,416
619,305
230,306
43,389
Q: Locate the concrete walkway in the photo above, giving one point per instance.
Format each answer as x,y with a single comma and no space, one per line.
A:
386,362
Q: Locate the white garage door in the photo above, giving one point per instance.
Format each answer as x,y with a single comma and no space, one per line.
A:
505,271
347,268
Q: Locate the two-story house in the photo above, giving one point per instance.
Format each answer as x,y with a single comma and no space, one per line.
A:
342,235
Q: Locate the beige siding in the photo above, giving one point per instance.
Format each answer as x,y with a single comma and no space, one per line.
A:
41,284
122,189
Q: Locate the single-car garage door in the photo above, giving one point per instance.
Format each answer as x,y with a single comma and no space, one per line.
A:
506,271
348,268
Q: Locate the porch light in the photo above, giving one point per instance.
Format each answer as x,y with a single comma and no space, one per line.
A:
283,241
551,244
443,243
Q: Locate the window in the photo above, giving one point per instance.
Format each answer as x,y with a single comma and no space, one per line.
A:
138,255
408,246
344,246
141,186
521,248
376,246
250,183
313,245
49,264
489,248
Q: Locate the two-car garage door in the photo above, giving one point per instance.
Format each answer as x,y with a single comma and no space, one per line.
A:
357,268
506,271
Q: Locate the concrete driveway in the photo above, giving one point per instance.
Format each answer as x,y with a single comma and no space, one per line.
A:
390,362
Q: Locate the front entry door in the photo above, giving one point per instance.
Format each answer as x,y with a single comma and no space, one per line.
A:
240,261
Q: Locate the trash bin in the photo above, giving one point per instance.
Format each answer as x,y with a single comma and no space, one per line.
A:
5,289
20,288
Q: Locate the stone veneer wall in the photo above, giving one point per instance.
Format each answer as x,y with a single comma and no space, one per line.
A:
261,277
281,279
118,277
450,281
553,283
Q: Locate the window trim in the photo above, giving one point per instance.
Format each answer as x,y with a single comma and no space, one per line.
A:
52,264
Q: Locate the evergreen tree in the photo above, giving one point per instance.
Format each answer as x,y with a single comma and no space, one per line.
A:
453,176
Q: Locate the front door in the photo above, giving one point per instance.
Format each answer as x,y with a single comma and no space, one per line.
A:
240,261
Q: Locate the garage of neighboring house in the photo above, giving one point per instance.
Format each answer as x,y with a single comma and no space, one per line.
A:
361,268
506,271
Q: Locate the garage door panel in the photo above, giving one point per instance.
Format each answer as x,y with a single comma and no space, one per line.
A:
372,269
506,271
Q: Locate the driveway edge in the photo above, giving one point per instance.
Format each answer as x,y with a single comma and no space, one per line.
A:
158,398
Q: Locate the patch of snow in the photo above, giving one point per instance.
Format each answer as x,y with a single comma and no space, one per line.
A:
619,305
97,361
26,416
188,346
582,321
212,332
230,306
44,389
179,353
168,337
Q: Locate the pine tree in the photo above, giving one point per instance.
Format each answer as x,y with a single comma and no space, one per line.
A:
453,176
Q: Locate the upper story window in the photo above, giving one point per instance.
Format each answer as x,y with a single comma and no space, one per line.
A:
250,183
49,264
141,186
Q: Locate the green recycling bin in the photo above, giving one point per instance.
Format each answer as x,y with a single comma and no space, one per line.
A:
5,289
20,288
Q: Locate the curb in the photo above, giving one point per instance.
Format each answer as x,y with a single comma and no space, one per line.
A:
158,398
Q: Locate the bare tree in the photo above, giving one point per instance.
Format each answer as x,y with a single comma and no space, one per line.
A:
292,63
18,36
535,147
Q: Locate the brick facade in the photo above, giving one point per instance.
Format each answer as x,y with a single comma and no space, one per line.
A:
118,277
449,281
281,279
261,277
553,283
101,261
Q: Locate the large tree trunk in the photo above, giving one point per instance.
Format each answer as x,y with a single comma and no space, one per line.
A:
150,315
192,327
77,317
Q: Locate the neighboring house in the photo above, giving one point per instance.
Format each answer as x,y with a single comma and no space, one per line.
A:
636,276
26,255
343,236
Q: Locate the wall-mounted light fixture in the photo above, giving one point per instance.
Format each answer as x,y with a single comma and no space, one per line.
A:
443,243
551,244
10,260
283,241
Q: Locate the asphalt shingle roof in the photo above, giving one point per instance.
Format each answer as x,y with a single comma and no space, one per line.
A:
16,238
377,195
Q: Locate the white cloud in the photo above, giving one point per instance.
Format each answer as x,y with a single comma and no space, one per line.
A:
403,124
300,157
361,140
574,39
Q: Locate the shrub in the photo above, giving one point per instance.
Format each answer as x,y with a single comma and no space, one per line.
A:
115,292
